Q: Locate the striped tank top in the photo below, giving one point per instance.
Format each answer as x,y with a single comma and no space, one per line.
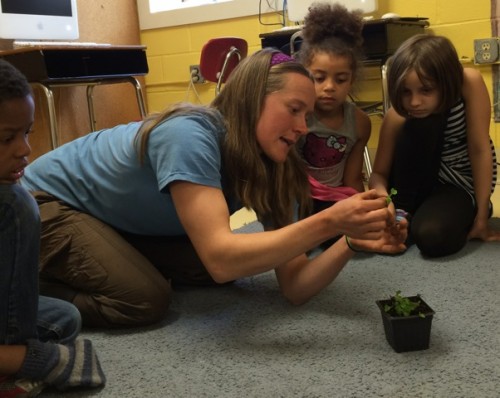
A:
455,166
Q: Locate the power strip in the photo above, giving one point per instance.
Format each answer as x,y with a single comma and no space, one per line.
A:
35,43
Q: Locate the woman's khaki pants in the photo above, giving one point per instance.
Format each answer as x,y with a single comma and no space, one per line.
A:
107,274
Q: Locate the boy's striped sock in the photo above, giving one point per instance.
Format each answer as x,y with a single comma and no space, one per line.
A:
63,366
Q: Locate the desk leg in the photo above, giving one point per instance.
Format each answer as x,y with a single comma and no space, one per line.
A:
49,96
140,96
138,93
385,91
90,105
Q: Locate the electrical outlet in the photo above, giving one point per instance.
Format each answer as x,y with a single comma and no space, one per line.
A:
195,73
486,51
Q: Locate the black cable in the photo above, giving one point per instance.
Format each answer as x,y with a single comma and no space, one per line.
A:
271,24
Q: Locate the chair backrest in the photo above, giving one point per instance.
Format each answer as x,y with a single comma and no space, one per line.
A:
220,56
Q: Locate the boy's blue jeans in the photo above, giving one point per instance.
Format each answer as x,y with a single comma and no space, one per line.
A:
23,313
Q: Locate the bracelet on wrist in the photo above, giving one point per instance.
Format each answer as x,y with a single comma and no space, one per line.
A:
349,245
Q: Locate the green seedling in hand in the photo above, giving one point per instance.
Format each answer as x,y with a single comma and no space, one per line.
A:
393,192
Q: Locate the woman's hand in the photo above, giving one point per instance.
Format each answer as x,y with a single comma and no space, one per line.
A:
391,241
364,215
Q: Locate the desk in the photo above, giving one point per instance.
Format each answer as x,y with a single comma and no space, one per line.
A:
51,67
381,38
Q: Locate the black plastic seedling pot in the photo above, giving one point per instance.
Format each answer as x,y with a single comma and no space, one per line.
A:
407,333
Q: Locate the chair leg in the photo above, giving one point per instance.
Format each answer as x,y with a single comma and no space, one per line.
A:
368,163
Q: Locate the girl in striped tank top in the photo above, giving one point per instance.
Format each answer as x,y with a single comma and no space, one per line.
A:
434,147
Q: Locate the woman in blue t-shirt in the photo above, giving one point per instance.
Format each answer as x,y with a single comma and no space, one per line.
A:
129,210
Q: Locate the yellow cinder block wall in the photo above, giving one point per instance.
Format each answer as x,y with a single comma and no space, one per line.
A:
171,50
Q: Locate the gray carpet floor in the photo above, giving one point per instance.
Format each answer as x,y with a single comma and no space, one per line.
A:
245,340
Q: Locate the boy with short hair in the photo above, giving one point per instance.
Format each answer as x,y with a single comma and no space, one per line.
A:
38,344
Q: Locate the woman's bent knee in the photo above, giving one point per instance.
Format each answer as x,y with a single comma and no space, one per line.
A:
139,306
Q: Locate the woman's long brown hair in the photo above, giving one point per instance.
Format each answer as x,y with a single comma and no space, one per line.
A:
270,189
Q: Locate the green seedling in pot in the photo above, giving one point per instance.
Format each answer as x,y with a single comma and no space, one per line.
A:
403,306
391,194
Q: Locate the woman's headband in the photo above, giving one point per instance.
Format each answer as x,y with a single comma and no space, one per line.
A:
279,58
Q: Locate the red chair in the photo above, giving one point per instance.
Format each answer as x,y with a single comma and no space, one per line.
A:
219,57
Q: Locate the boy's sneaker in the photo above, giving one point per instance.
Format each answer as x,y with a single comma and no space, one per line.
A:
11,388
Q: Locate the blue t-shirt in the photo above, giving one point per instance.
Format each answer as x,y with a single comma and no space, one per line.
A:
100,173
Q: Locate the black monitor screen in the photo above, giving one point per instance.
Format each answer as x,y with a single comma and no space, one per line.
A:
61,8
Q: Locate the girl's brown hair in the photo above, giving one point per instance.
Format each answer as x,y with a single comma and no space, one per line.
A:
272,190
436,63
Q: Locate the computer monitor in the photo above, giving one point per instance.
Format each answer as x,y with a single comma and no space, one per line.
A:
38,20
297,9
